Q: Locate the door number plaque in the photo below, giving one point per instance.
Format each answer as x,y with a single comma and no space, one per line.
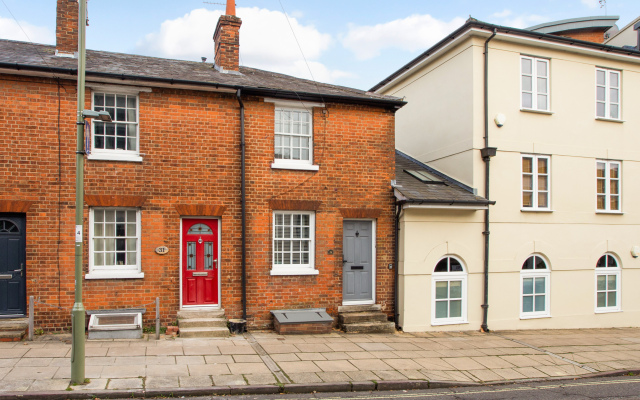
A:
162,250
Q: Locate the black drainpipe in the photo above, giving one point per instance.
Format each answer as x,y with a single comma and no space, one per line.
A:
396,313
243,211
486,153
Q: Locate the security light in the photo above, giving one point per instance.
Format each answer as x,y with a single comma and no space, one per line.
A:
101,115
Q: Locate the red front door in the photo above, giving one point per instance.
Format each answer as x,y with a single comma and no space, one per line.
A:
199,262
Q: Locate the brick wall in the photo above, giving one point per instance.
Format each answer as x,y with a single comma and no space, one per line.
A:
190,142
596,36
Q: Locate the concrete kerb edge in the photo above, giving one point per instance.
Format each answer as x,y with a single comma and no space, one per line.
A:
289,388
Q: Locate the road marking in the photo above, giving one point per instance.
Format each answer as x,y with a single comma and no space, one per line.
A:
577,364
268,361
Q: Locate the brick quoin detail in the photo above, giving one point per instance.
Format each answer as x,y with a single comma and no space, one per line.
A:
67,26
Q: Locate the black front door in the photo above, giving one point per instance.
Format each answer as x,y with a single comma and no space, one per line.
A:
13,300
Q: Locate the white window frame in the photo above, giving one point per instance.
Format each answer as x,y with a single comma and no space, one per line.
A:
607,94
607,178
534,84
534,176
607,272
294,269
449,277
116,154
536,273
289,105
114,272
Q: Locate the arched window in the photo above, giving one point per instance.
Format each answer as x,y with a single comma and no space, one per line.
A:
7,226
607,284
534,288
449,292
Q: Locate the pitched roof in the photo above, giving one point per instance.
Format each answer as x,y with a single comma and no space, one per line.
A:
37,57
447,191
489,28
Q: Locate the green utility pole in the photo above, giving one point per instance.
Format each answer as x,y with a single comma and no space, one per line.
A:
78,312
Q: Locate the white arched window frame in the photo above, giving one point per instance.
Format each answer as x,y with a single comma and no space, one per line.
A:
449,292
535,284
607,284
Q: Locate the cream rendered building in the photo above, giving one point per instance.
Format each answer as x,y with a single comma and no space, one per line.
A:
564,116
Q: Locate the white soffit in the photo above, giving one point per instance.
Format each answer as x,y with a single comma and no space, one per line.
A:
512,38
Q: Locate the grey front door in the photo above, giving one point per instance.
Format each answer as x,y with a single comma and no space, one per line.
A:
357,265
13,299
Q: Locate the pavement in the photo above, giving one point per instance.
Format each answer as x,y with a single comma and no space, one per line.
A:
265,362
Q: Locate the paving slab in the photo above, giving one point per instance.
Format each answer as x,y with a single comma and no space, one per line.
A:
304,377
125,383
226,359
209,369
485,375
15,385
291,367
195,381
402,363
248,368
189,360
389,375
161,382
123,371
94,384
20,373
166,370
337,366
229,380
261,379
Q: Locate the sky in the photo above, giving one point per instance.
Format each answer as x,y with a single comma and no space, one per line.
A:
354,43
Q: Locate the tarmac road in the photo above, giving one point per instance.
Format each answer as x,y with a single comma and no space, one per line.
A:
624,387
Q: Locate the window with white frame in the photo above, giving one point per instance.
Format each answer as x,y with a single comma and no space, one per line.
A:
534,286
607,284
114,243
607,93
449,292
608,182
534,83
293,243
535,182
118,139
293,136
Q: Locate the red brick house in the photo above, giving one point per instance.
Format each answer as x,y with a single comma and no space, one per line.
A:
168,172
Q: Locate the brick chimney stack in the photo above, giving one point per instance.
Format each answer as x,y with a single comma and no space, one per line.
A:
67,27
226,40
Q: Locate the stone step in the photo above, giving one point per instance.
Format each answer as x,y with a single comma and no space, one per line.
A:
359,317
12,336
370,327
13,325
203,332
191,314
359,308
203,323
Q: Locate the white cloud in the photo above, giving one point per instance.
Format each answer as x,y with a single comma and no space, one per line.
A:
25,32
591,3
416,32
266,42
507,18
501,14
